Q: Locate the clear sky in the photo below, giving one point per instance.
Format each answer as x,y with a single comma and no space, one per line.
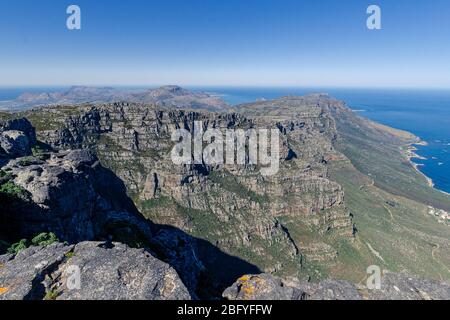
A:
226,42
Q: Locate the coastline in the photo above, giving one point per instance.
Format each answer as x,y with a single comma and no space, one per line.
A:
409,150
410,153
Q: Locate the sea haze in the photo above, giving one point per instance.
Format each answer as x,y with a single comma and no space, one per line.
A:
425,113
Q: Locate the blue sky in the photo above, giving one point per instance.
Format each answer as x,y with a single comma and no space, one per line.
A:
225,42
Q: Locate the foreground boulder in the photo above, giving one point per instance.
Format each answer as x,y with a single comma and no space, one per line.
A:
393,287
17,137
70,194
14,143
268,287
402,287
106,272
22,125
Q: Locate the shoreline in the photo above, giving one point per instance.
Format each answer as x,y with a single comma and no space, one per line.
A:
409,150
410,153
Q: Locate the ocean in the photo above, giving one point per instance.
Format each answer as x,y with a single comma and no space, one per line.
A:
425,113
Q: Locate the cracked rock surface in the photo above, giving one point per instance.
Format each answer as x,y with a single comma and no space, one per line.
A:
107,272
16,138
393,287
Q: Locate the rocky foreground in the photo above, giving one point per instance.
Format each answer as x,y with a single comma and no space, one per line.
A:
393,287
93,189
116,272
70,194
108,272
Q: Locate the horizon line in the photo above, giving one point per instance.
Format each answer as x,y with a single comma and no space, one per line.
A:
224,86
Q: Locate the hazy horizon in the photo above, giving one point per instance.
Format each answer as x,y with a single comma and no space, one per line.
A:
213,86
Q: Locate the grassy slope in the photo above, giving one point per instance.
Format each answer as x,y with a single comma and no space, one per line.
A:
376,152
389,200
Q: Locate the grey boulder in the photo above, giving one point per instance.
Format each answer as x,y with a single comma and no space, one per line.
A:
14,143
89,271
394,286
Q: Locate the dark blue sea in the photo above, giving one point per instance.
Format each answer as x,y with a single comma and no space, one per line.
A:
426,113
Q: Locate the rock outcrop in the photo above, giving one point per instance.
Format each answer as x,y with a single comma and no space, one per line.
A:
16,138
393,287
88,271
69,194
404,287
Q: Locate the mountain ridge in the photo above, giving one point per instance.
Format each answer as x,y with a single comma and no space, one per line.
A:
170,96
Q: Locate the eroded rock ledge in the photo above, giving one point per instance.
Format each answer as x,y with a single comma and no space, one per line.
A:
393,287
107,272
113,271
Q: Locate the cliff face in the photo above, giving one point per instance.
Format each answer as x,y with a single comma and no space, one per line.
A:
233,207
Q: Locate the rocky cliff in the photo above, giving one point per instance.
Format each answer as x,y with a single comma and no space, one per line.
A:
234,207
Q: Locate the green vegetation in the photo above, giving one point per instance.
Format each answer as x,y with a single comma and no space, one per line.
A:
229,183
17,247
4,176
40,150
26,161
398,237
50,119
42,239
148,205
51,294
10,189
384,193
124,233
5,116
367,149
37,151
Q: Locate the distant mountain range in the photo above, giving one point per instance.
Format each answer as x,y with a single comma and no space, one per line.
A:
166,97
